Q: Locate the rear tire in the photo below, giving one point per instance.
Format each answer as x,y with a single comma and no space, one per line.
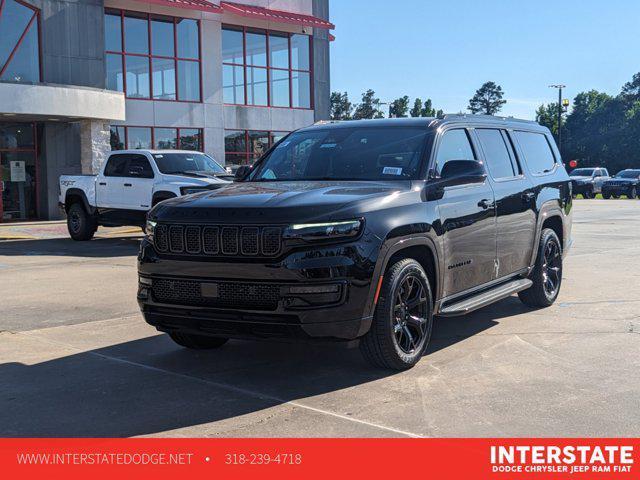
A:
403,319
606,196
588,195
80,224
197,342
547,272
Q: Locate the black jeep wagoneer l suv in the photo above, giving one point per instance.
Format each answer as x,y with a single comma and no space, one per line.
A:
363,230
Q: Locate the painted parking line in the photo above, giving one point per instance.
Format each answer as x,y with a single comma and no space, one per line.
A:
227,387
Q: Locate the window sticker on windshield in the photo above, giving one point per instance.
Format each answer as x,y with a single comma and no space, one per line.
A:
328,145
392,171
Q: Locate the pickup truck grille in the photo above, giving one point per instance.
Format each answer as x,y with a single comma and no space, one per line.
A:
247,296
218,240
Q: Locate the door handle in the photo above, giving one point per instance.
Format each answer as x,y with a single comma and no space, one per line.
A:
102,183
528,196
127,185
485,203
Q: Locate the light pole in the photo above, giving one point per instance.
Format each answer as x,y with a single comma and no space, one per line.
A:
559,87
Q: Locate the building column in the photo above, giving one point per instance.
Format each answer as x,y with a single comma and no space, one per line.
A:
95,145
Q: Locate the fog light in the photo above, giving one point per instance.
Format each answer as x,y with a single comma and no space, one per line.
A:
145,281
314,289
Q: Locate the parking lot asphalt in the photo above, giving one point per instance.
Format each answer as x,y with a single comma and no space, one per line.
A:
76,358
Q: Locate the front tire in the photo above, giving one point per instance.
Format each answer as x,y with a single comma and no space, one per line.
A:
588,195
197,342
547,272
403,319
606,196
80,224
633,193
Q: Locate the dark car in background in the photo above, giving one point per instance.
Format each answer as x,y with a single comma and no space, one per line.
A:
363,231
626,182
588,181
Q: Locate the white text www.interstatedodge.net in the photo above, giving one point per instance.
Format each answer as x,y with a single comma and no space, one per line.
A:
103,458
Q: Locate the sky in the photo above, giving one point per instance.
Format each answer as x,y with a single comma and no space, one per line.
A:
446,49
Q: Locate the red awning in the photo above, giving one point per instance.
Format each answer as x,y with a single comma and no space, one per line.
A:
202,5
275,15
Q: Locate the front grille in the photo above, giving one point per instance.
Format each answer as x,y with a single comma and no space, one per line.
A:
614,184
246,296
218,240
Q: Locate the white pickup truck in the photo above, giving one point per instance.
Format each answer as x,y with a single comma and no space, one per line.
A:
130,183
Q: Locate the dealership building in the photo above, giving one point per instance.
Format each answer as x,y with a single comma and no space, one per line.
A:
81,78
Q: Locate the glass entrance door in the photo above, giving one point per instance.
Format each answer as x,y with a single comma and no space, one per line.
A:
18,172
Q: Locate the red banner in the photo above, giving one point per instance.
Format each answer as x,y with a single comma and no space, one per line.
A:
320,458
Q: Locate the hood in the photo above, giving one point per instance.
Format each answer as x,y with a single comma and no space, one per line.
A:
581,179
622,180
275,202
193,180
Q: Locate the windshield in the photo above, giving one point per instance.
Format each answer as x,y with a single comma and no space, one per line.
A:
172,163
628,174
582,172
370,153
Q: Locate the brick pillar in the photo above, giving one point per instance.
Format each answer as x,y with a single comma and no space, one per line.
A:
95,145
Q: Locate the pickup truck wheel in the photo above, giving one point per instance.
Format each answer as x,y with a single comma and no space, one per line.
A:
403,319
547,272
197,342
633,193
80,224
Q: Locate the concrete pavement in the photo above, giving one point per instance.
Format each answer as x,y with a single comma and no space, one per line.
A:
76,358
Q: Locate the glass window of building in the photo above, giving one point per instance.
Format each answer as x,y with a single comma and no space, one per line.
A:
158,138
160,56
19,44
266,68
243,147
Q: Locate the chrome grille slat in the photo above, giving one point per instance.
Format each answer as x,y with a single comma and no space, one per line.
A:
218,240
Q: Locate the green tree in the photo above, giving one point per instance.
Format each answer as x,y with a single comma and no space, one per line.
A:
399,107
341,107
487,99
547,115
427,109
416,110
369,107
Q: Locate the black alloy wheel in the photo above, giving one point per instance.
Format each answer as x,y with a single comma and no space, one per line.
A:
410,315
403,319
552,268
546,274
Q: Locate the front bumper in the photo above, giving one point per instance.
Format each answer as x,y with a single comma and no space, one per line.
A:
616,190
259,300
581,188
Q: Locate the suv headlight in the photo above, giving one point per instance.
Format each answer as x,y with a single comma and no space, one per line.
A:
149,228
325,231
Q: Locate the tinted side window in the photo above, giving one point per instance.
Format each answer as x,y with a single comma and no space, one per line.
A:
496,153
140,164
537,151
455,145
116,166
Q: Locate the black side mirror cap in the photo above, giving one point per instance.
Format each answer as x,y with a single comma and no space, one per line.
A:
241,173
462,172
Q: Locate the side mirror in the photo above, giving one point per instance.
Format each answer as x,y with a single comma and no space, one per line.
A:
241,173
462,172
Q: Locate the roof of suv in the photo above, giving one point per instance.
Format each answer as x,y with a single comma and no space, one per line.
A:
430,122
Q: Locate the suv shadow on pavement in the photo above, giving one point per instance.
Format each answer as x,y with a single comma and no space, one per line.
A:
150,386
65,247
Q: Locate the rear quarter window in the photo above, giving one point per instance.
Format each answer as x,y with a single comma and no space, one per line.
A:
537,152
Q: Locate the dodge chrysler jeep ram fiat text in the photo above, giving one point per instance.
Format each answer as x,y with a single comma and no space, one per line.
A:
364,231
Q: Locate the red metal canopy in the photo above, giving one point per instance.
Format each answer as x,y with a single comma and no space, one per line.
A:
275,15
202,5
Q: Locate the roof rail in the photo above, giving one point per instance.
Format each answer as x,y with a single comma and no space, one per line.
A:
481,118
